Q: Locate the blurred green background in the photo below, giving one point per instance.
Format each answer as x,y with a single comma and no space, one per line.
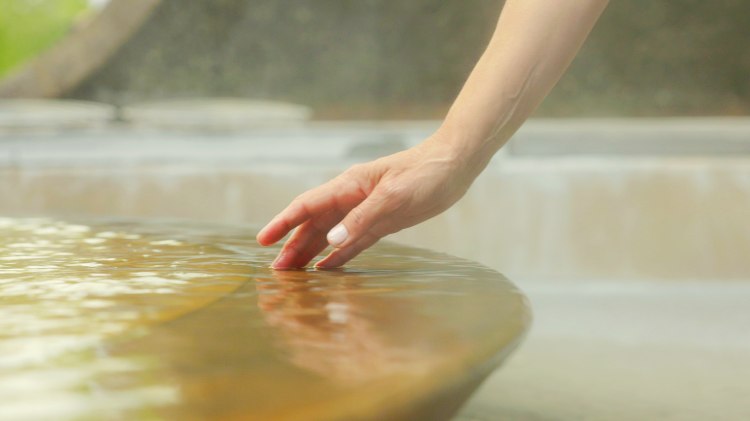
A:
28,27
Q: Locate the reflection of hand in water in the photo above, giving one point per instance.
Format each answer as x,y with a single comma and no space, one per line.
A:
332,323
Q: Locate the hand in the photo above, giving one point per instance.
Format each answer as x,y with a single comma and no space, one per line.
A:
534,42
366,203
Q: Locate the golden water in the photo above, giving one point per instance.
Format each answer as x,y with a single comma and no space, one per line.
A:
124,320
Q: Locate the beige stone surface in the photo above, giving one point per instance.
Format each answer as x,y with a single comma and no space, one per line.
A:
51,116
625,351
207,114
603,218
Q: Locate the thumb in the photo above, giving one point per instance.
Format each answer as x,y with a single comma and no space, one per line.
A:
360,220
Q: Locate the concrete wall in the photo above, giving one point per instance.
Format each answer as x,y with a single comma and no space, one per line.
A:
374,59
380,59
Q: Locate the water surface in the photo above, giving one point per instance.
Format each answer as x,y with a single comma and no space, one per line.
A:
122,320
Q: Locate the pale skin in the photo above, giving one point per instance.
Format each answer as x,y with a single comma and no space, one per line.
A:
532,46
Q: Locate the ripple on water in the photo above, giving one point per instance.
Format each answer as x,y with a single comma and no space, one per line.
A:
113,318
64,288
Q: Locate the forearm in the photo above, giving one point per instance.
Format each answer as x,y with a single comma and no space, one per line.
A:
533,44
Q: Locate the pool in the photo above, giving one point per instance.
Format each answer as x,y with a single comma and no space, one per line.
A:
633,255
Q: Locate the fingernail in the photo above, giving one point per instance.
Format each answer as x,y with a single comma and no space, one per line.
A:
337,235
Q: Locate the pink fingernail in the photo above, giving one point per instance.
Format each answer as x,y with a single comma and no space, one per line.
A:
337,235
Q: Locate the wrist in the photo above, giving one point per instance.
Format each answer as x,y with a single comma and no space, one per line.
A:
467,150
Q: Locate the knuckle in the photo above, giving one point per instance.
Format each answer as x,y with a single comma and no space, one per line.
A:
357,216
394,191
298,209
292,245
354,170
297,206
298,200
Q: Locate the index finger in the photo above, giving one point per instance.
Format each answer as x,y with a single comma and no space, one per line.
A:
306,206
